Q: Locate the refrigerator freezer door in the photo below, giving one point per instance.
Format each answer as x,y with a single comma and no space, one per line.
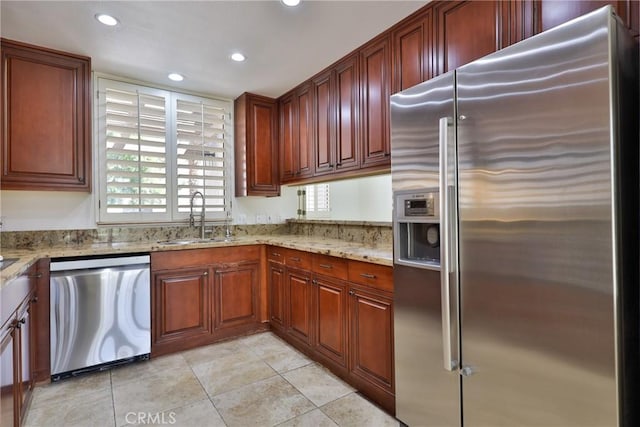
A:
536,249
426,393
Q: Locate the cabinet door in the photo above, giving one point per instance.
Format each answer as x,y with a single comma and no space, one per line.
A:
236,295
376,88
256,146
323,129
288,151
46,140
181,305
468,30
551,13
412,52
331,320
371,340
276,296
299,306
8,386
304,96
347,112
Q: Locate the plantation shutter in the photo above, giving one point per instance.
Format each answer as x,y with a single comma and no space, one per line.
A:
201,135
135,152
317,199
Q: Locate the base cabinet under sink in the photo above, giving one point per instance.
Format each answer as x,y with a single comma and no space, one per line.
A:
201,296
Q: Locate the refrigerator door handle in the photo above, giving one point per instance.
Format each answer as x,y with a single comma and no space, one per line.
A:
445,242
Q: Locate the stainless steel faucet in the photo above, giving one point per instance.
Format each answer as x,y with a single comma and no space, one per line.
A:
192,216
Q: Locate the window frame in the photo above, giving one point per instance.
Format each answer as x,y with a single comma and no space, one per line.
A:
171,216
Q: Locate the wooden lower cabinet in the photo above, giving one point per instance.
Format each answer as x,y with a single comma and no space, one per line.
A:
346,325
201,296
236,295
17,351
330,318
371,342
181,305
276,290
299,306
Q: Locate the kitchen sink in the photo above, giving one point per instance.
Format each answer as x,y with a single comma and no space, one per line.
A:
176,242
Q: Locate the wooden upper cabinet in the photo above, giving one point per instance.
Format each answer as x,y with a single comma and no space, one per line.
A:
46,119
256,146
551,13
323,111
296,134
347,114
412,47
468,30
375,61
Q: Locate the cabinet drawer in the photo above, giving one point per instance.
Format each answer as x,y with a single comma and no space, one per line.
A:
330,266
297,259
275,254
374,275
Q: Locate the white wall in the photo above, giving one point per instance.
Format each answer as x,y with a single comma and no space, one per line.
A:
360,199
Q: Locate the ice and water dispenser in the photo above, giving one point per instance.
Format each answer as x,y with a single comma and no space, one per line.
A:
416,228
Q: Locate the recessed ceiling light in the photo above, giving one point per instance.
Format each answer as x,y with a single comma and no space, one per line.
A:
176,77
238,57
107,19
291,2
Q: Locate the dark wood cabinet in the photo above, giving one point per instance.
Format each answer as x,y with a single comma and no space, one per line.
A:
17,347
181,305
412,51
299,306
347,97
468,30
323,113
371,341
296,134
375,60
340,313
236,295
200,296
276,290
46,119
551,13
256,146
330,319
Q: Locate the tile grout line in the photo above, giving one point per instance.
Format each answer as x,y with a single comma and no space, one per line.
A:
210,398
113,399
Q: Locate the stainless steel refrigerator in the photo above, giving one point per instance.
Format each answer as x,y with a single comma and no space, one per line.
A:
516,186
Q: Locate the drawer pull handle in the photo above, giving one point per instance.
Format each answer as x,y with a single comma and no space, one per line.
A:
35,276
295,258
368,276
328,266
275,254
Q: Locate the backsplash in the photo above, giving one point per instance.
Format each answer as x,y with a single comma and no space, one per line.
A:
369,233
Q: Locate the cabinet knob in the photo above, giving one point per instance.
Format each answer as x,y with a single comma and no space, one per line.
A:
206,273
352,292
314,281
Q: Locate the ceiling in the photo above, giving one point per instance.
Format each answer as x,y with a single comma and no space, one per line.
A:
284,46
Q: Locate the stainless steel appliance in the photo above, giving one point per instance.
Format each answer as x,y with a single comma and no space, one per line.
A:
532,318
100,313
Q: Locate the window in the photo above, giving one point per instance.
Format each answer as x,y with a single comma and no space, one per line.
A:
317,200
156,148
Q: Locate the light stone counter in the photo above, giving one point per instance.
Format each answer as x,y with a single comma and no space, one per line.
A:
378,254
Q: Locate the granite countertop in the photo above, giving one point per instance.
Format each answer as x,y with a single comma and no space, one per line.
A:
381,254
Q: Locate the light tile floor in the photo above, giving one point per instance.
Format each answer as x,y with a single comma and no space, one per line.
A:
257,380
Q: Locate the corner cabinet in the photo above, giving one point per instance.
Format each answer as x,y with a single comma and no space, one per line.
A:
46,119
256,146
201,296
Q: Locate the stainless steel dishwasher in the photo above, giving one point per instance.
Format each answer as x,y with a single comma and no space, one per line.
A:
100,313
